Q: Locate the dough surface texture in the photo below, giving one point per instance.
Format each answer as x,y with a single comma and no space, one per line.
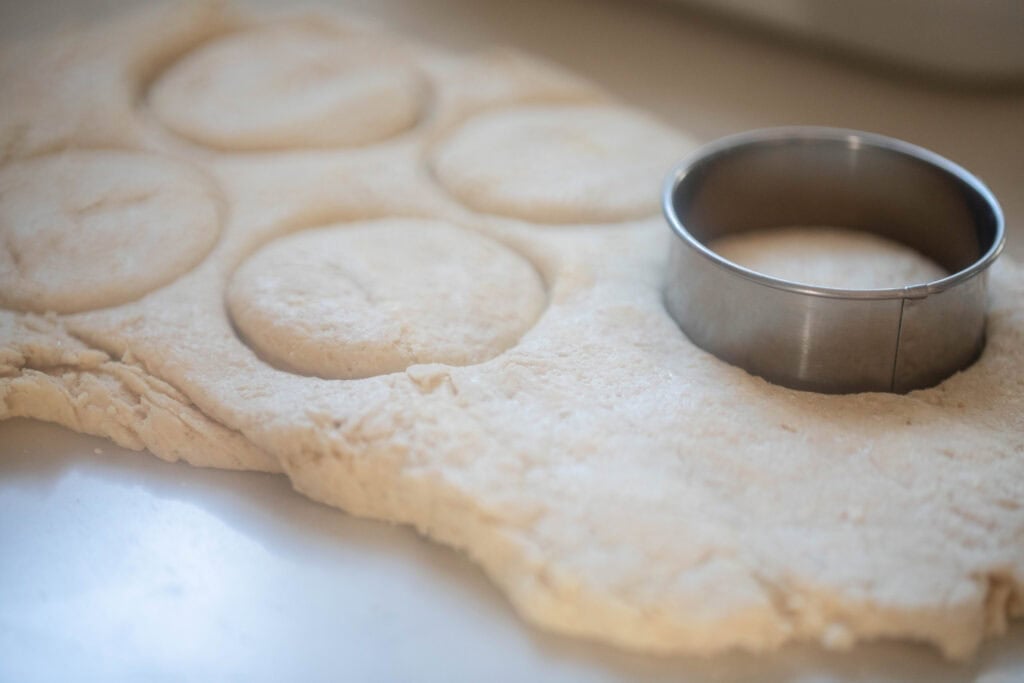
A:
354,301
557,164
291,85
85,230
481,242
809,256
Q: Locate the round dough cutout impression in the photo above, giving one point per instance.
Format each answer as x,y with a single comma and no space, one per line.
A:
90,229
358,300
829,257
559,164
289,86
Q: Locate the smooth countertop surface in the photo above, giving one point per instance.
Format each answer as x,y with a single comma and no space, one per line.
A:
117,566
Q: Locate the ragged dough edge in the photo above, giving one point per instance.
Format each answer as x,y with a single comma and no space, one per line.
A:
47,374
545,590
539,591
339,461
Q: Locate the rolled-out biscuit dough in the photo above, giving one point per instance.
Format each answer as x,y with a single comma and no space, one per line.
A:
304,84
615,481
829,257
556,164
350,301
89,229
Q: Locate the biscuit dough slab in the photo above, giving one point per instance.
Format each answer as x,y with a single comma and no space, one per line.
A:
285,86
350,301
616,482
86,230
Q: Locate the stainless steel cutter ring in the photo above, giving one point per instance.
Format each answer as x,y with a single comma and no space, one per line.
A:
819,338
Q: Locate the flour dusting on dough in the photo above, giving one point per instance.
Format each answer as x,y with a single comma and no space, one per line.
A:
615,481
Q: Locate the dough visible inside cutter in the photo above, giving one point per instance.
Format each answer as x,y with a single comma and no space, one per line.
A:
829,257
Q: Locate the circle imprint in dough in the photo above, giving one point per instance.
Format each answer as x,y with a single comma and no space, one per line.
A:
289,85
352,301
829,257
89,229
559,164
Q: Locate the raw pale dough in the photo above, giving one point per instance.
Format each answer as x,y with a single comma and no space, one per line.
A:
290,85
559,164
352,301
809,256
83,230
615,481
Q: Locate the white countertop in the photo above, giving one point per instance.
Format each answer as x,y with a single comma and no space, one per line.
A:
116,566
